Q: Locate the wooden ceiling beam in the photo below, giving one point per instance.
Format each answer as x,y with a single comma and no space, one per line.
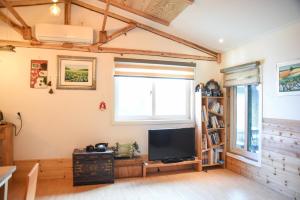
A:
20,3
68,12
138,12
104,50
105,15
121,32
14,12
190,1
11,23
146,27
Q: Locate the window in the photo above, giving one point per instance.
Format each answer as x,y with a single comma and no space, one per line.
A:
151,90
245,120
138,98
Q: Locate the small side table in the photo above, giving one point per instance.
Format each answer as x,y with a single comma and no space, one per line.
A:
92,167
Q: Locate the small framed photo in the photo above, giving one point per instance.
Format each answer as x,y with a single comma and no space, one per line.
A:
38,74
288,78
78,73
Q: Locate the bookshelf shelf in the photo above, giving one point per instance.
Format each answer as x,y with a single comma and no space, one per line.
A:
214,113
213,164
213,132
214,129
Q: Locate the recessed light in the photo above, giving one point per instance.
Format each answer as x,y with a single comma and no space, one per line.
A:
221,40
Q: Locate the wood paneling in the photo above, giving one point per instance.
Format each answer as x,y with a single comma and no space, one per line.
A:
280,168
160,11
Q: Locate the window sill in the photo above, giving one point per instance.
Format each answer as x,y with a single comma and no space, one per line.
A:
244,159
146,122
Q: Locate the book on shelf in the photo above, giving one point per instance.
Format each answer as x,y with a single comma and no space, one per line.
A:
204,114
216,107
215,138
205,158
215,122
216,155
204,142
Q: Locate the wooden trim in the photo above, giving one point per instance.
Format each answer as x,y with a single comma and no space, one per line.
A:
13,12
156,62
146,27
68,5
11,23
154,53
105,50
105,15
139,13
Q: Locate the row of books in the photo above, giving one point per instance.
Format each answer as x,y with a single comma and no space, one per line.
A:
205,158
215,123
216,155
216,107
215,138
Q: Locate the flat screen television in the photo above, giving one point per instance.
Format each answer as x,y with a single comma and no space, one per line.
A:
171,145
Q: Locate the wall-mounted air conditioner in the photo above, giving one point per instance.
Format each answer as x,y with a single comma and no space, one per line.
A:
64,33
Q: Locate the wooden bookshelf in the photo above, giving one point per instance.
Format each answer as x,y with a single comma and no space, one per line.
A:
213,131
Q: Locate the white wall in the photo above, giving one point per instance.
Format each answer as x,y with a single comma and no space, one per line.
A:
272,48
56,124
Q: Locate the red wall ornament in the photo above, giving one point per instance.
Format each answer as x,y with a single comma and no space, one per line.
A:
102,106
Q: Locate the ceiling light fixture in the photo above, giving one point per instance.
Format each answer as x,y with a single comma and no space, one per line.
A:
54,9
221,40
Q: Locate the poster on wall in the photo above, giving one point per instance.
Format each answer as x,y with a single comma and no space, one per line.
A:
288,76
76,73
38,73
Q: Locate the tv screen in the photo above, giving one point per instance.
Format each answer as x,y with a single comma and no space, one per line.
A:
168,144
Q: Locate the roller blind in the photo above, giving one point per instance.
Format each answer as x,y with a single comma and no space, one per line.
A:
153,68
245,74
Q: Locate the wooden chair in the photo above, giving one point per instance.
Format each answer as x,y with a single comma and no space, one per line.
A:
32,182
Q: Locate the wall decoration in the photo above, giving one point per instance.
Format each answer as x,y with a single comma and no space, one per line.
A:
38,73
288,78
76,73
102,106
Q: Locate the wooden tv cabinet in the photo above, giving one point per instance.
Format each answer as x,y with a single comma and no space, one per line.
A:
159,164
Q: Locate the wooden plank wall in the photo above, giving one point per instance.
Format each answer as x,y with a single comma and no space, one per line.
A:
280,168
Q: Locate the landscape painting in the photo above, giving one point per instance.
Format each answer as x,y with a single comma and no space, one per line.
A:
76,73
289,78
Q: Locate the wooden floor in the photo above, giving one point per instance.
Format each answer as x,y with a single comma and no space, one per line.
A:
214,185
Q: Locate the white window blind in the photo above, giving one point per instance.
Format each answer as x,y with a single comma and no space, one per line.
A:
153,69
245,74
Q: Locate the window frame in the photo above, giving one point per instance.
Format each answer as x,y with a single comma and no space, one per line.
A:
156,119
256,157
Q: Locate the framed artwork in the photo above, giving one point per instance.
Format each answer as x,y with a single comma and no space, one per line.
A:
76,72
288,78
38,74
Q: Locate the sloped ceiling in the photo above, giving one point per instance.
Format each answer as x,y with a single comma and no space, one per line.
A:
236,21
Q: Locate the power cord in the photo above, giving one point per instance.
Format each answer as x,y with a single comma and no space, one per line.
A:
21,125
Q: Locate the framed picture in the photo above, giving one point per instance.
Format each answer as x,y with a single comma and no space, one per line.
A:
38,73
76,72
288,78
